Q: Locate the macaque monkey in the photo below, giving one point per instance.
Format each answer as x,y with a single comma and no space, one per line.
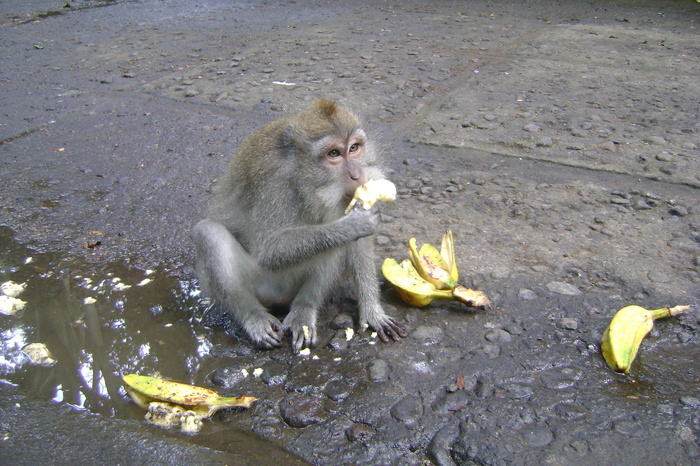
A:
276,233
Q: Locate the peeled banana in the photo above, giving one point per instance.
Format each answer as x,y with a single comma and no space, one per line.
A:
626,331
371,192
429,275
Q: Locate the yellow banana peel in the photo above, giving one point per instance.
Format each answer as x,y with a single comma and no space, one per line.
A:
626,331
410,286
429,275
447,251
144,390
431,265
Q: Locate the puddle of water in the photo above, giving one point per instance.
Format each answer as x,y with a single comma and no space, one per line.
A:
99,325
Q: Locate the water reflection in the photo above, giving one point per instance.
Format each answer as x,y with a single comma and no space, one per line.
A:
98,325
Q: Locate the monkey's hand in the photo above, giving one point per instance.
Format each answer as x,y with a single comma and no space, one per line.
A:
360,222
385,326
264,329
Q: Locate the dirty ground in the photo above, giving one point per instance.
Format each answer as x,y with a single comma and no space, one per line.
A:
558,140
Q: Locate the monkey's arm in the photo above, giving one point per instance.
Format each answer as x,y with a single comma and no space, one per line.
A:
290,246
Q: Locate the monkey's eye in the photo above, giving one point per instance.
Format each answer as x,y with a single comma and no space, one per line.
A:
333,154
355,147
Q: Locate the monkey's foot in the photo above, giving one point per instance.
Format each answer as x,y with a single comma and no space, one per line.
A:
386,327
303,333
265,330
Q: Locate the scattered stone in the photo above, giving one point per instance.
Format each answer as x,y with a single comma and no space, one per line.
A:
230,375
378,370
641,204
669,168
690,401
382,240
359,432
275,373
656,140
439,449
300,410
498,335
526,294
664,156
517,391
560,378
567,410
627,427
342,321
563,288
658,277
576,146
609,146
678,211
492,351
620,201
532,128
337,390
427,335
487,124
536,435
568,323
545,142
409,410
685,245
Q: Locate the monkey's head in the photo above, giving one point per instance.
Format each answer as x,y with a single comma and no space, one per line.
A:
334,154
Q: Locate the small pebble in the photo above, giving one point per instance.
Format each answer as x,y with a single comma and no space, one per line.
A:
527,295
568,323
657,140
532,128
563,288
610,146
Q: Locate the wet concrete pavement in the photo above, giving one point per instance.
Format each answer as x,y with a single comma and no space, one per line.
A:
558,140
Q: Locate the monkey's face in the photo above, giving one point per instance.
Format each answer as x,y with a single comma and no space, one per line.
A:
344,159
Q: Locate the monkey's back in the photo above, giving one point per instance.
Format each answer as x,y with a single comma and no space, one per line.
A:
255,194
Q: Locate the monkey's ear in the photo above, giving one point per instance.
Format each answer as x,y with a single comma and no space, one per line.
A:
292,140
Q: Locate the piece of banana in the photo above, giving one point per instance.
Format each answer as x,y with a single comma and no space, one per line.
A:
430,275
626,331
371,192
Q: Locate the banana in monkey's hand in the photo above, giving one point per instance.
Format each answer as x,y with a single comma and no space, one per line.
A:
371,192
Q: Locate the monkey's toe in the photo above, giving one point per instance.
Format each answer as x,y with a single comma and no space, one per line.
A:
304,338
266,332
392,329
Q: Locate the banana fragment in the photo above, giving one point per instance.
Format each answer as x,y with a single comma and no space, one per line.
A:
429,275
371,192
626,331
144,390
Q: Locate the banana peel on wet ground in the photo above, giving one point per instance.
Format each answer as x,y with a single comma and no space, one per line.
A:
172,403
430,274
627,329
